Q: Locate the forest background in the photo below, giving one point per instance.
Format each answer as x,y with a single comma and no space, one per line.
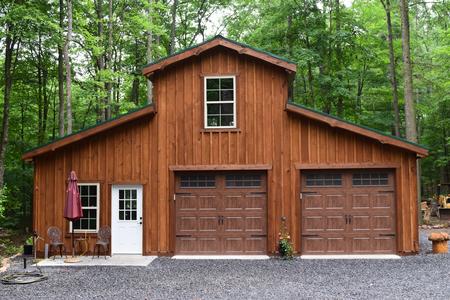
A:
70,64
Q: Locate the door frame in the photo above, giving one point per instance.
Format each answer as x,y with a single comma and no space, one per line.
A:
128,185
300,167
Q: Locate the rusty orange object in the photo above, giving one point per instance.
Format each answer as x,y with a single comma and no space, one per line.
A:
440,242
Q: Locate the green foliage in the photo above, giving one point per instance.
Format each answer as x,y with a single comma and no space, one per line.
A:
285,248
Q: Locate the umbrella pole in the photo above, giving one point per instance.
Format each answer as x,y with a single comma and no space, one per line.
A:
72,259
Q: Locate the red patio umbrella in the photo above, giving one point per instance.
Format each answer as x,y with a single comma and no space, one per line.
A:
73,210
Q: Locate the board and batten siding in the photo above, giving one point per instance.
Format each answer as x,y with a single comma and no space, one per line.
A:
144,151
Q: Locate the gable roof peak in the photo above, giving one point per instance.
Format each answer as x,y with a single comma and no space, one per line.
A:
216,41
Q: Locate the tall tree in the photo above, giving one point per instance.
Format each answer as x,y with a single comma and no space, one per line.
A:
149,49
12,44
392,74
173,26
410,108
68,67
61,99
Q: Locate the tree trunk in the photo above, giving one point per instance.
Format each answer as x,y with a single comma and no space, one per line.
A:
392,74
149,52
39,98
68,71
410,110
61,72
10,43
108,85
100,60
173,26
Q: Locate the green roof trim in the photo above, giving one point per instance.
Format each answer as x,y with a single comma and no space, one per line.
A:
219,37
89,127
358,125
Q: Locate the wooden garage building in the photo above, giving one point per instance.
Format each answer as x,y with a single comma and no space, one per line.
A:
221,156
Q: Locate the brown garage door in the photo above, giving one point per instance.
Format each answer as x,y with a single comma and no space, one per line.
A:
348,212
221,213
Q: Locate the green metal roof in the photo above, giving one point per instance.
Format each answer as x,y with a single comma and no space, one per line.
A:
358,125
219,37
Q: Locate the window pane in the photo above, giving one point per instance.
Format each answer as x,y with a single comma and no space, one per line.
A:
127,205
213,109
93,190
212,83
121,194
127,194
84,201
213,121
133,194
212,96
76,224
84,223
121,217
92,224
226,121
120,204
133,215
127,215
226,95
226,108
84,190
226,83
93,201
133,204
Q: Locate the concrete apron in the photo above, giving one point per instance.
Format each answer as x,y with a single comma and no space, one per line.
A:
86,261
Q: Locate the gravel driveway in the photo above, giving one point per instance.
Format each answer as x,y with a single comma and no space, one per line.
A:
414,277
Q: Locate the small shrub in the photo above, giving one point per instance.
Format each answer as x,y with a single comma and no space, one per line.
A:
284,245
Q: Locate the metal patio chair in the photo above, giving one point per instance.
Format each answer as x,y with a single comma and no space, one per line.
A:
103,240
54,234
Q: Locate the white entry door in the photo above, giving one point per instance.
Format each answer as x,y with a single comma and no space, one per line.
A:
126,219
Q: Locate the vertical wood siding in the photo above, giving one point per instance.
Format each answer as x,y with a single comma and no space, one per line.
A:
142,151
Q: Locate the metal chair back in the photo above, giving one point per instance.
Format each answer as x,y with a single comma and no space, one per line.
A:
54,234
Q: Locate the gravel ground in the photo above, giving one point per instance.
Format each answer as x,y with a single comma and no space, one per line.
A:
415,277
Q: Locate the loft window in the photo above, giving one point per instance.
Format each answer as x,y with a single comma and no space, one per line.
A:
220,102
90,198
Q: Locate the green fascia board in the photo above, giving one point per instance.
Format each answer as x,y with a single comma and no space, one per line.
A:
358,125
219,37
88,128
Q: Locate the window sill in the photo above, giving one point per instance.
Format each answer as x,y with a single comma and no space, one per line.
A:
224,130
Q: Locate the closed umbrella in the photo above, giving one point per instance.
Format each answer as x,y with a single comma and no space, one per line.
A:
73,210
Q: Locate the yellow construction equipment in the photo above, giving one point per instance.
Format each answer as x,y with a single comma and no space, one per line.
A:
443,198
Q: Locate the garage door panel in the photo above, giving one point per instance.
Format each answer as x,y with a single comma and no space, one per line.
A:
256,202
360,223
383,200
208,245
255,225
234,245
187,224
360,201
335,224
314,223
335,201
383,244
253,245
187,203
361,244
233,224
336,245
187,244
208,203
382,223
314,245
208,224
348,211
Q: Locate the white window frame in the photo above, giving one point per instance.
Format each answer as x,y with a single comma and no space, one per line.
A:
90,207
219,102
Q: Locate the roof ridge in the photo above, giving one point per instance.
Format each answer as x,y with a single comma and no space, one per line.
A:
212,39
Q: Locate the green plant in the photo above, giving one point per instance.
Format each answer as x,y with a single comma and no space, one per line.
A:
284,245
29,241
